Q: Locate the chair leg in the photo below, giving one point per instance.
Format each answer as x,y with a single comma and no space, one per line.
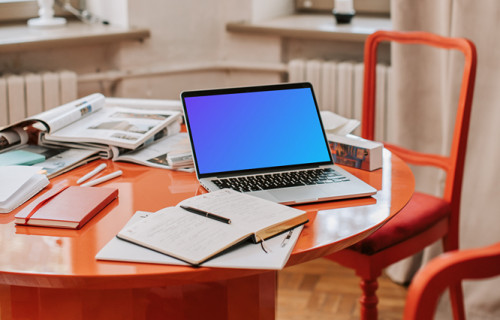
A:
369,299
450,242
457,301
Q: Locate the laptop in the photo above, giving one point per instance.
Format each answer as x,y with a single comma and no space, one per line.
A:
267,141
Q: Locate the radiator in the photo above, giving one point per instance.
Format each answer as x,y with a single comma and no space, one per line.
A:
339,88
27,94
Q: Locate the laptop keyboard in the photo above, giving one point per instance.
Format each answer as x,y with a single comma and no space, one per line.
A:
281,180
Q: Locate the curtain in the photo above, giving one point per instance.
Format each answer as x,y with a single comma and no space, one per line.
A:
426,84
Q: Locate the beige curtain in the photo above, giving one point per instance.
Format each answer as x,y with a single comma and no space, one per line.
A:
426,83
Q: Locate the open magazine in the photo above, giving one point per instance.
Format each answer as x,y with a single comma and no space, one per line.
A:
158,154
88,123
93,127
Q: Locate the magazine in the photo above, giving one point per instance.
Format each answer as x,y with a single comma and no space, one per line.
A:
155,154
12,138
59,160
122,127
93,123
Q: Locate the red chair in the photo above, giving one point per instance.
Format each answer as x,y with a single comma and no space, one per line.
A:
449,269
426,218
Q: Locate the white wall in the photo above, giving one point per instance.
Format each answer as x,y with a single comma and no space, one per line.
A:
187,34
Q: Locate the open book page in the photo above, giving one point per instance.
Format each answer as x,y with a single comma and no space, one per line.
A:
184,235
122,127
251,213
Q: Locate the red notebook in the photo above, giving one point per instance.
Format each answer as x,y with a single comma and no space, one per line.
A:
66,207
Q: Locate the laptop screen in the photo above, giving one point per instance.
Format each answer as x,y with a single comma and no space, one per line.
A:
243,129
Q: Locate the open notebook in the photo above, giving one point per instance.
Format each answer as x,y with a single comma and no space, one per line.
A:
229,218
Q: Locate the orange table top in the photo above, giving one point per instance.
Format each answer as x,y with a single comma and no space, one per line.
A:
62,258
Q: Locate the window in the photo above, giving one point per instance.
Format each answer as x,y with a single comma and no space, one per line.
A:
379,7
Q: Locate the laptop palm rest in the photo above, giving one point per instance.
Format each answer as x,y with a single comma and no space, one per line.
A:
316,193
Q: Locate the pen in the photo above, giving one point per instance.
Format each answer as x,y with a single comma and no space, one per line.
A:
103,179
207,214
287,238
92,173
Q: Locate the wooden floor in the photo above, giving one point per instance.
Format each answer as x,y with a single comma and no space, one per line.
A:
322,289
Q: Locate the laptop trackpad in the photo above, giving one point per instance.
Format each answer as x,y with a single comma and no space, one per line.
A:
288,195
265,194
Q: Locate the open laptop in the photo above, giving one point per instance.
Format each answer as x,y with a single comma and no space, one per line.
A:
267,141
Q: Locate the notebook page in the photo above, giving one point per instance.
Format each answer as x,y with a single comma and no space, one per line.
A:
245,211
182,234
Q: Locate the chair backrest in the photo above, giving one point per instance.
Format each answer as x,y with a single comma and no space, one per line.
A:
453,164
448,269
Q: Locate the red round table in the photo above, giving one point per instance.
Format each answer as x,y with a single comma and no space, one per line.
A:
50,273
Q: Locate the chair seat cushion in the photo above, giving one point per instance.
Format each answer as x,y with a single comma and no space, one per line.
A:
419,214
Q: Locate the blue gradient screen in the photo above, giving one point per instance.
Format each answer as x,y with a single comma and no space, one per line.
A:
255,130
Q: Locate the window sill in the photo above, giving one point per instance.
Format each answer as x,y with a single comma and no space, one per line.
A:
17,37
314,26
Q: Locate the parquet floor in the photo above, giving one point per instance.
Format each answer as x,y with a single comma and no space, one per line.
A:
322,289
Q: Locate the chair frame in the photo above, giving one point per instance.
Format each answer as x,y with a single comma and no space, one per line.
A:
448,269
369,267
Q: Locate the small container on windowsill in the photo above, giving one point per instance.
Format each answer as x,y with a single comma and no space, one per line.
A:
343,11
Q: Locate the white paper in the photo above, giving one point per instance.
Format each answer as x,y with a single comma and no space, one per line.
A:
336,124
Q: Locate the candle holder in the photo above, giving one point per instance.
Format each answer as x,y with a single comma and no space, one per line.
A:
342,17
46,17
